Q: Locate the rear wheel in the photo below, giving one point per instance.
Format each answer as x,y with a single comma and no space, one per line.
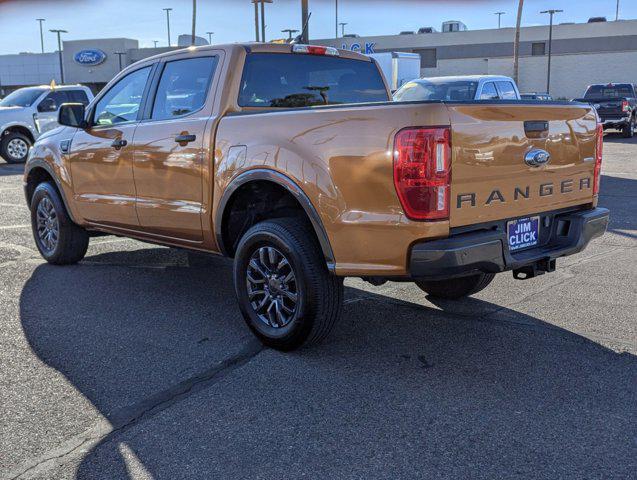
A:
629,129
59,240
285,292
14,147
455,288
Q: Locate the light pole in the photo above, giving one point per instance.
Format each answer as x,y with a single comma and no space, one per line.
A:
194,22
168,10
617,11
155,42
305,22
548,74
119,55
58,32
499,14
40,20
256,19
336,23
516,43
342,24
290,32
210,34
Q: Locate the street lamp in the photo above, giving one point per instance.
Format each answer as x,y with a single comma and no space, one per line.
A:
119,55
290,33
210,34
155,42
305,22
168,10
58,32
617,11
40,20
551,12
342,24
336,23
499,14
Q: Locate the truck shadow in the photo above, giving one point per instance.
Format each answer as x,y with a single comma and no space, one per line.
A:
414,381
616,137
7,169
616,194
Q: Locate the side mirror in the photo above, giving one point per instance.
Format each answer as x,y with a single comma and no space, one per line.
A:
72,115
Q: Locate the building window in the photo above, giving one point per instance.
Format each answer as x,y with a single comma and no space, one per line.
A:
428,57
538,49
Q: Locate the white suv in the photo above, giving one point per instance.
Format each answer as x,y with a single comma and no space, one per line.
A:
28,112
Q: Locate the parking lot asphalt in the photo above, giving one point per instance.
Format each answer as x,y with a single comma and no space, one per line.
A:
136,363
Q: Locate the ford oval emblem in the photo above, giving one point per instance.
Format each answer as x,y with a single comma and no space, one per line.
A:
537,157
89,57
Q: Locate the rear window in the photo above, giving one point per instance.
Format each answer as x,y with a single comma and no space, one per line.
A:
296,80
427,90
609,91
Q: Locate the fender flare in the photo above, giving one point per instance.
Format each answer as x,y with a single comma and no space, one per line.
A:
261,174
24,125
45,166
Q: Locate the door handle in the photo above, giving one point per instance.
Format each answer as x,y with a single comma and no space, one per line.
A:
118,143
185,138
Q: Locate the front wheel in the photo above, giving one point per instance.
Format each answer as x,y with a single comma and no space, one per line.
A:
59,240
14,147
285,292
455,288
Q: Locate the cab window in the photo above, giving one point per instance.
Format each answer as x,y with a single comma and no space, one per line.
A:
183,87
52,101
489,92
506,91
121,103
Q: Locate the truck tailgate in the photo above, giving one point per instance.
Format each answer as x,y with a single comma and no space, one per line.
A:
490,179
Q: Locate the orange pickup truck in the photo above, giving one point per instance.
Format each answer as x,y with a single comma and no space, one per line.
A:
293,161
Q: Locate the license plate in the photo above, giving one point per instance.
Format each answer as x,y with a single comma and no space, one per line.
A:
523,233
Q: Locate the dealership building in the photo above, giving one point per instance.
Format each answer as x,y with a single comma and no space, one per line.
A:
582,54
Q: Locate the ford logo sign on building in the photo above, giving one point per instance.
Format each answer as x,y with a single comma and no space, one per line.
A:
89,57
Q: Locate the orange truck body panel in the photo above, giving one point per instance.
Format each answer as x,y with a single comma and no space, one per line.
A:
340,157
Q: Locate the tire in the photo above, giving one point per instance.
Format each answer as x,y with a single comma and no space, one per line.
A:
14,147
629,129
285,292
456,288
59,240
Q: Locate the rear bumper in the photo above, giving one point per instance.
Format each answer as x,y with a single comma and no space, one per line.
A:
487,251
614,122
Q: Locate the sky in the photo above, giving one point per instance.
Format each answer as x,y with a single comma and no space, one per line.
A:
233,20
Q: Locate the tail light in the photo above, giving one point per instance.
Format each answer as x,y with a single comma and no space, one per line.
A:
625,106
598,158
422,172
315,50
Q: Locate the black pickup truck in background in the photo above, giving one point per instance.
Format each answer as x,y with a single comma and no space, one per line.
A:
616,105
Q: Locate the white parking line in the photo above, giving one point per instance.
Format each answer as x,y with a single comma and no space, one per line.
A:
14,227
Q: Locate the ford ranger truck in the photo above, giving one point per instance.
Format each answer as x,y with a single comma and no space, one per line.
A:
293,161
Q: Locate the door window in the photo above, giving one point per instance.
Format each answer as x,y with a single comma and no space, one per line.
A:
121,103
507,92
489,92
52,101
183,87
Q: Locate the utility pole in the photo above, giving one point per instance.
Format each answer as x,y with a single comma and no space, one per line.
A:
58,32
516,44
210,34
548,74
305,22
342,24
290,33
168,10
256,18
40,20
499,14
119,56
336,24
194,22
